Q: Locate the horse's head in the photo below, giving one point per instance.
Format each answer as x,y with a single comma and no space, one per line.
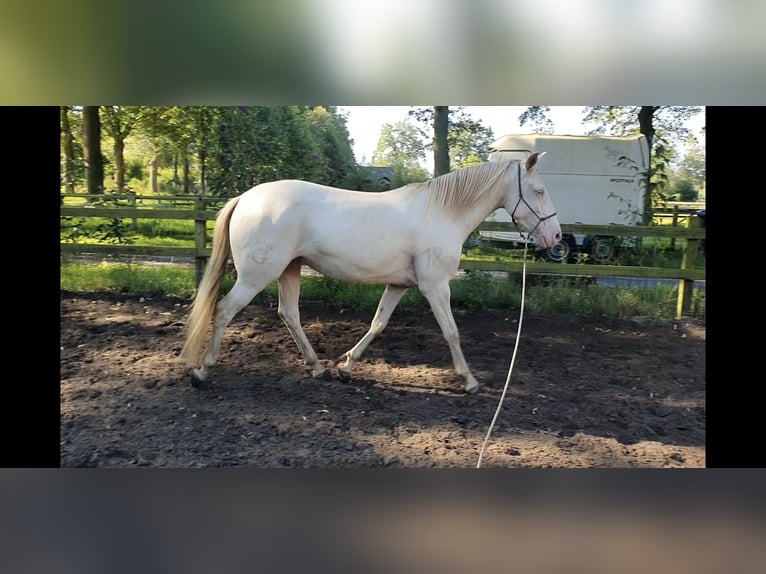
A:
529,204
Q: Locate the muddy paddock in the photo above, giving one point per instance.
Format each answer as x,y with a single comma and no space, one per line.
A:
584,392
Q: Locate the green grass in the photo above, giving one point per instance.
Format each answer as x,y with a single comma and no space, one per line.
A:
128,278
474,291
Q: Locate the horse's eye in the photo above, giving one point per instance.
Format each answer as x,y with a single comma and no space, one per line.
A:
540,191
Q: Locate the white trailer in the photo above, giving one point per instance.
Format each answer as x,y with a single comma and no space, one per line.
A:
592,180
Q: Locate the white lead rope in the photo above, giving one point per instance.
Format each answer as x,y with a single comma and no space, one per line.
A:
513,357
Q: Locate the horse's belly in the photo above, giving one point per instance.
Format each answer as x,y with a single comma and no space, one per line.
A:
396,270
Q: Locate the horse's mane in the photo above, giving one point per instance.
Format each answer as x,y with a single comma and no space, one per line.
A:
459,190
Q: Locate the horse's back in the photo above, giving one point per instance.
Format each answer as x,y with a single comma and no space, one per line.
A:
279,194
297,190
294,201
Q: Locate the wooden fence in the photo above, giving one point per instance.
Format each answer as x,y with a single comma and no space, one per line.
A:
202,209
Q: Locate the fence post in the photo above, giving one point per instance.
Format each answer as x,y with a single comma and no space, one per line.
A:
200,242
686,286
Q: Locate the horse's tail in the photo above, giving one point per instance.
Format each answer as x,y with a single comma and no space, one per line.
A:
203,308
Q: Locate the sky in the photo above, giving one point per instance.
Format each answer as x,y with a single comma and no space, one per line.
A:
364,123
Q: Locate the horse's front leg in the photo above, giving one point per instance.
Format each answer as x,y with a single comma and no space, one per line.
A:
439,298
388,302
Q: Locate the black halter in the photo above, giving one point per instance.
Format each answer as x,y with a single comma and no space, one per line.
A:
521,198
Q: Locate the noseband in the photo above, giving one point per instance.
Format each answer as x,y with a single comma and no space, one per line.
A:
521,199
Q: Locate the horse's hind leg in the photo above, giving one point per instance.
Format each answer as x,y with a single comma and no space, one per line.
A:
289,284
439,299
388,302
239,296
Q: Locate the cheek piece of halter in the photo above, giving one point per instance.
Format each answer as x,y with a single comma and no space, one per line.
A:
521,198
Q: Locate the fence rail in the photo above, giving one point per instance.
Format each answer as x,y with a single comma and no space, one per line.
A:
197,209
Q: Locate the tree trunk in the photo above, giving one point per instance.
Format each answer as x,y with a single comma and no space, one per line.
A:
202,159
646,127
119,164
185,172
202,154
441,149
154,167
67,151
91,143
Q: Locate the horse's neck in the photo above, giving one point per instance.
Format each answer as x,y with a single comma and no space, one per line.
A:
488,202
479,213
467,219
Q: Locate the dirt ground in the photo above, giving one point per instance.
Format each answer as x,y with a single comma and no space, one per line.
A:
584,392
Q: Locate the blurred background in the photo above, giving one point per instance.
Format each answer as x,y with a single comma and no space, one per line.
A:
351,52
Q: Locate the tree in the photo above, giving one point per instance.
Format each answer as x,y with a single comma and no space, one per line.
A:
177,136
538,117
330,132
468,140
166,137
684,190
118,123
687,180
91,143
67,152
663,127
230,148
692,166
256,144
205,125
400,147
185,132
440,144
245,145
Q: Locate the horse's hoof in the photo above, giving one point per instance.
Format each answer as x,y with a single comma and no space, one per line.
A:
197,381
322,376
344,376
472,390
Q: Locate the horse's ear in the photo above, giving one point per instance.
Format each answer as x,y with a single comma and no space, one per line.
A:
533,159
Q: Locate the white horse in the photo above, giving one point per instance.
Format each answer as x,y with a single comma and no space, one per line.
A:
411,236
